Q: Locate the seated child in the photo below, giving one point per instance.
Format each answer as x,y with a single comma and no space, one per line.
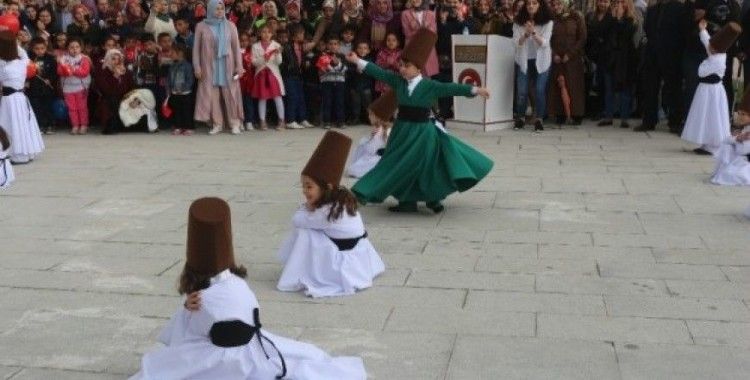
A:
216,333
707,122
328,253
371,147
6,168
732,166
135,105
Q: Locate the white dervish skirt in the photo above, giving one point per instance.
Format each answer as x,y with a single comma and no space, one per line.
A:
6,171
19,121
366,154
312,262
707,123
731,168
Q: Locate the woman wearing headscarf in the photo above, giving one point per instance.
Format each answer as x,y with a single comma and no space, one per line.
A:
217,62
414,18
379,21
83,28
112,82
351,13
484,19
566,96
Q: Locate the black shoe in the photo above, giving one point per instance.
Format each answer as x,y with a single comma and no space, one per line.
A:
538,127
404,207
644,128
702,152
436,207
604,123
518,124
624,124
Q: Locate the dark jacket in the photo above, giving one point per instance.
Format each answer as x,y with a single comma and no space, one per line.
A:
665,32
622,57
598,36
46,70
290,67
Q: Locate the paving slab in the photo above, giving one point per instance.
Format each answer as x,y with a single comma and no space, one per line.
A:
655,361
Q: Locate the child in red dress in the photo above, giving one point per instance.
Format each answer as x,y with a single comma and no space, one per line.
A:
268,83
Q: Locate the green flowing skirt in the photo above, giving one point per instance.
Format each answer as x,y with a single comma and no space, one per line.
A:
422,163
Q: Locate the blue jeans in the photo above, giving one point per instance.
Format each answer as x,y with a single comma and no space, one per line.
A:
295,100
624,98
248,107
540,90
332,98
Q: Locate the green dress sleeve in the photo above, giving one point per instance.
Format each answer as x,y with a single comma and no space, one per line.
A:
377,72
443,90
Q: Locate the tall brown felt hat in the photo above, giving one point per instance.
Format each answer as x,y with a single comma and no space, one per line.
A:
4,140
385,106
209,240
329,158
418,50
722,40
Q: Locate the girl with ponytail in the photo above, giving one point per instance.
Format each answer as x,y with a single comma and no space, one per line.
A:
328,253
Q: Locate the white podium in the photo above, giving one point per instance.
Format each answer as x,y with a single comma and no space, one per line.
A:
488,61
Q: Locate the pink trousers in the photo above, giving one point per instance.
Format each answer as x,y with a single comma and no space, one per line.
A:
78,108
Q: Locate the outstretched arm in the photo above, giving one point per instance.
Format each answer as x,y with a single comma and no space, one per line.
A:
443,90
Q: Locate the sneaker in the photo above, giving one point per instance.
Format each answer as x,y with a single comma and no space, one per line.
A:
74,131
187,132
249,126
538,127
518,124
263,126
215,130
306,124
236,130
176,132
326,126
294,125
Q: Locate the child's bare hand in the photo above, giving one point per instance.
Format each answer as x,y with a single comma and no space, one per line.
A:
483,92
193,301
352,57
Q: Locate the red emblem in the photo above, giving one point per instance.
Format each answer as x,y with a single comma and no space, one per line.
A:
470,76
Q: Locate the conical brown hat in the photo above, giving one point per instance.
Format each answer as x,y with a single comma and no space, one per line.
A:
722,40
209,240
385,106
418,50
329,159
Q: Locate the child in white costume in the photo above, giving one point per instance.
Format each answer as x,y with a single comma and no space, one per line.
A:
16,115
220,336
732,166
368,152
328,253
707,123
6,168
135,105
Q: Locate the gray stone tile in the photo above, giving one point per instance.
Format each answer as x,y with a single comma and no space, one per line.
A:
472,280
709,289
596,285
511,250
483,357
498,219
660,271
7,372
603,239
701,257
459,321
583,185
606,328
539,201
456,261
58,374
627,202
737,274
367,317
720,333
534,266
677,308
566,252
535,302
389,355
653,361
542,237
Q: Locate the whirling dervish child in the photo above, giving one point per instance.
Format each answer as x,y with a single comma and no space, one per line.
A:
6,168
420,161
707,123
328,252
135,105
732,165
371,147
16,114
217,333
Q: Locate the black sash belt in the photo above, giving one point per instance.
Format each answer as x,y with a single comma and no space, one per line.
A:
347,244
711,79
7,91
237,333
413,114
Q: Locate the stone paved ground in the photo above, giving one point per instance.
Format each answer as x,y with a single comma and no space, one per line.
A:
594,253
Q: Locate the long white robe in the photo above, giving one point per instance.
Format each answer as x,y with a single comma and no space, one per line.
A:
707,123
189,353
366,154
732,166
312,262
135,105
16,115
6,170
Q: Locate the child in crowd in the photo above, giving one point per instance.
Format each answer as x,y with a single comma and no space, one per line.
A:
42,87
74,70
311,82
328,253
291,70
147,64
268,83
388,58
6,167
131,49
332,84
216,333
184,34
359,86
60,46
347,40
164,57
180,81
247,79
707,123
